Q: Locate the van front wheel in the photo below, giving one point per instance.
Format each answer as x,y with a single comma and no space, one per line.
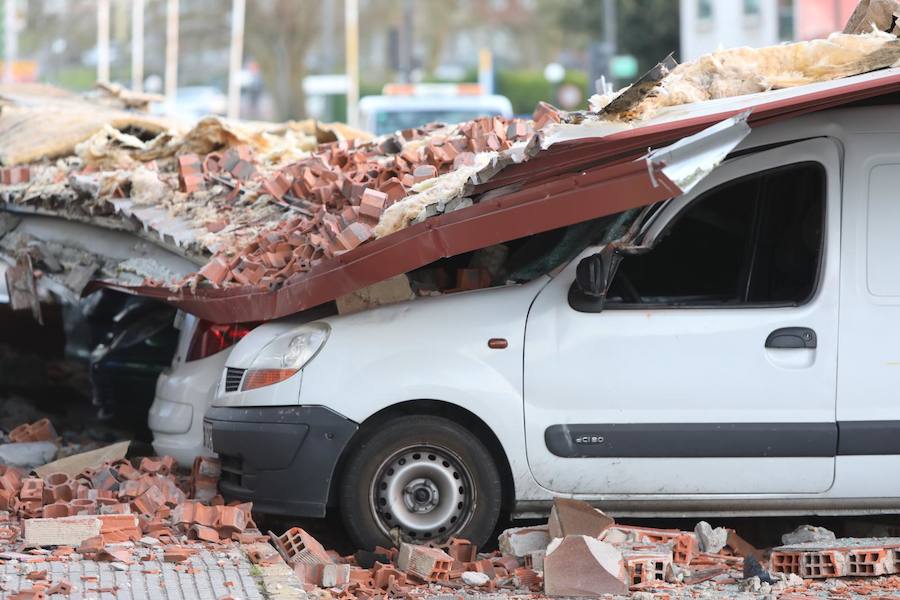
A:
420,479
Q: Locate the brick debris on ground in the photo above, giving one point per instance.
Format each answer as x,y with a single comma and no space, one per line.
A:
99,525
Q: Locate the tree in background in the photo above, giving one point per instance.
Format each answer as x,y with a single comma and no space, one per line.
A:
279,34
647,29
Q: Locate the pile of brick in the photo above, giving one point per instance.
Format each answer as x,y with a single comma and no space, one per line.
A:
579,552
119,501
336,197
150,499
142,511
131,514
848,557
257,222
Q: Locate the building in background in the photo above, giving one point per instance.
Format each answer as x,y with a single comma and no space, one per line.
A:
707,25
817,18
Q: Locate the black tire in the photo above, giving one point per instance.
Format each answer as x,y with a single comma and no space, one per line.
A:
439,442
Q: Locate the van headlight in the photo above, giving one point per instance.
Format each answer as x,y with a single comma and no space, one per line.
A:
285,355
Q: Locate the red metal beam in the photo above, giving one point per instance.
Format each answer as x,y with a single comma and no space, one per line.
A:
564,200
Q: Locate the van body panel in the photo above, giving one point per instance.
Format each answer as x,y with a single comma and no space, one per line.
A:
431,349
699,375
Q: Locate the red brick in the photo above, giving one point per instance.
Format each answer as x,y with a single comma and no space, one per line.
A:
216,271
544,114
373,203
277,186
203,533
39,431
32,489
354,235
190,173
424,172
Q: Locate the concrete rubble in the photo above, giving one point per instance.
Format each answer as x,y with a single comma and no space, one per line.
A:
124,513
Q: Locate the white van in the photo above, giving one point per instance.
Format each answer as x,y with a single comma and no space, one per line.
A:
732,350
406,107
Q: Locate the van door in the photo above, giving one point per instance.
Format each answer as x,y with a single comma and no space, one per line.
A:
869,373
711,368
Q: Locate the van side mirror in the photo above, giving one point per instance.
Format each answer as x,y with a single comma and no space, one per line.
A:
590,275
594,273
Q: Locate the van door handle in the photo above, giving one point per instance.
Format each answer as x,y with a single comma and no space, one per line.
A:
792,337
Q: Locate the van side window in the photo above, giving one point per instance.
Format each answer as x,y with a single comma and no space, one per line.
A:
756,240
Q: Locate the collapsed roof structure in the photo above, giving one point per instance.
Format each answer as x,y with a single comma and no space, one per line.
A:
253,221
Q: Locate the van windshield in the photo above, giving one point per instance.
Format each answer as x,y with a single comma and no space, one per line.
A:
520,260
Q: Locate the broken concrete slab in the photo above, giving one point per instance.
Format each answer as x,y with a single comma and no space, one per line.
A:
574,517
523,541
711,540
27,455
75,464
475,578
579,566
65,531
808,533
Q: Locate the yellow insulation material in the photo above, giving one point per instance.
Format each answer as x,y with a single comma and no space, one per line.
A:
739,71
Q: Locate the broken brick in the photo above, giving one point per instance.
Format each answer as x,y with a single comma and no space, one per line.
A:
372,203
578,565
575,517
424,172
462,550
39,431
277,186
428,564
216,271
300,547
544,114
67,531
354,235
190,173
201,532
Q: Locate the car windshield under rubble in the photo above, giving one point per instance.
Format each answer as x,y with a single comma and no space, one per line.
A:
754,241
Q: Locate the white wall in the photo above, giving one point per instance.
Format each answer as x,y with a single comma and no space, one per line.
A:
727,28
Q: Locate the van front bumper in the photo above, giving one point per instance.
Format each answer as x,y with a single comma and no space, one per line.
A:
281,458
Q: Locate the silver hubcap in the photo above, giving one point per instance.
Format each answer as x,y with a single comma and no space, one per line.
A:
424,491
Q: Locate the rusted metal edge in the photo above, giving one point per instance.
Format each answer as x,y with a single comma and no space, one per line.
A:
638,90
564,200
